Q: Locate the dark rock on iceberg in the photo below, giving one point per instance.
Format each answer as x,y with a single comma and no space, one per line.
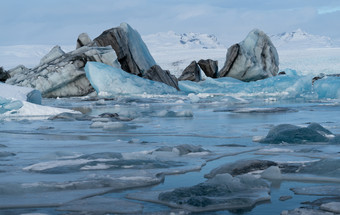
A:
241,167
62,74
232,53
321,76
209,67
133,54
286,133
252,59
191,73
4,75
156,73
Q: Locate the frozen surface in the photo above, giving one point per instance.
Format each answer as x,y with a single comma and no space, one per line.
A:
141,145
110,81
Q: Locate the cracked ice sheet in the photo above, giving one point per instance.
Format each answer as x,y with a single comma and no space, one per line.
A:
50,194
327,190
46,199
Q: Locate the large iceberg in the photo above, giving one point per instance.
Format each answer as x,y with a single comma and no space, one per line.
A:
252,59
62,74
110,81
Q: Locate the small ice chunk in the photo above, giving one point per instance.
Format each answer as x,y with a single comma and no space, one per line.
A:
168,113
285,198
193,98
327,190
273,173
241,167
305,211
286,133
182,149
331,206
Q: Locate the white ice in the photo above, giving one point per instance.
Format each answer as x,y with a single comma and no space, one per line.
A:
20,93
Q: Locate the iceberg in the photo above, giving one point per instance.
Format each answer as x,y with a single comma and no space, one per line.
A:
252,59
62,74
111,81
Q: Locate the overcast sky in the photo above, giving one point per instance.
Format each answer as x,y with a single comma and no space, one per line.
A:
61,21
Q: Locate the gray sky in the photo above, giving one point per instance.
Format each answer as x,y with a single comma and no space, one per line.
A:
61,21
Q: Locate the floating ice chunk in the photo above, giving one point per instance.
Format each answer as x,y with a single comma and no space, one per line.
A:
263,110
326,167
273,173
20,93
286,133
331,206
71,116
305,211
182,149
102,205
168,113
31,110
241,167
327,190
219,193
107,80
193,97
